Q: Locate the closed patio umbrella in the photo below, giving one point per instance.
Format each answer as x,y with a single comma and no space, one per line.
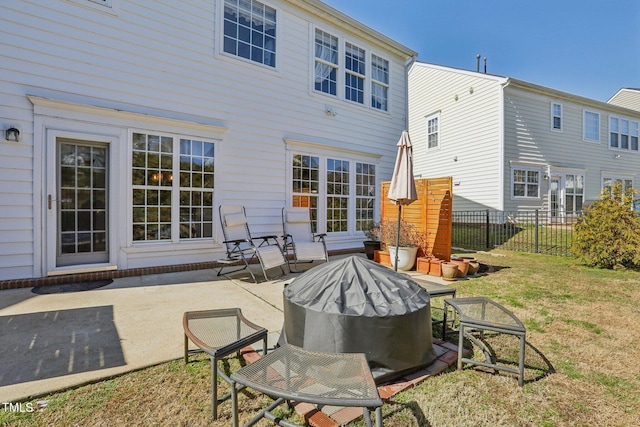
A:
402,190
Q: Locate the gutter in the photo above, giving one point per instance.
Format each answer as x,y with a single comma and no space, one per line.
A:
407,67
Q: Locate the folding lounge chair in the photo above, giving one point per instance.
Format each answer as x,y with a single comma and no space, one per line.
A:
299,240
241,247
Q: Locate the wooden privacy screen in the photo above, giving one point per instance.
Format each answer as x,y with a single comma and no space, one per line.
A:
431,213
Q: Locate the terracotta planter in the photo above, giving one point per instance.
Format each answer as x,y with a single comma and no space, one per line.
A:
449,271
435,267
463,266
423,265
473,268
382,257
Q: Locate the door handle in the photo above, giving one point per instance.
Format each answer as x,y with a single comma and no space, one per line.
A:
50,201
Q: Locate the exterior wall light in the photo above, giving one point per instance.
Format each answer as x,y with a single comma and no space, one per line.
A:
12,134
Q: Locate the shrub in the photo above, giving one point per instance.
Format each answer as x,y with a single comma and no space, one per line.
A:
608,233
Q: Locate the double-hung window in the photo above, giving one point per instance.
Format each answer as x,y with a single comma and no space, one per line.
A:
340,193
525,183
250,31
573,193
433,131
326,63
379,83
556,116
173,188
355,72
623,134
591,126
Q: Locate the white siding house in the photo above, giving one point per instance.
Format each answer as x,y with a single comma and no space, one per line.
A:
137,119
512,145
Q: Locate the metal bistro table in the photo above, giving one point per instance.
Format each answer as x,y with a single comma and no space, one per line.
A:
220,333
292,373
483,314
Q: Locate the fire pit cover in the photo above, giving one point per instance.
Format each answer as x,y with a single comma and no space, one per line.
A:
354,305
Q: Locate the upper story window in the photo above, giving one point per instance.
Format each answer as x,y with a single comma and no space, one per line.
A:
250,31
623,134
433,131
556,116
326,63
354,73
379,83
591,126
525,183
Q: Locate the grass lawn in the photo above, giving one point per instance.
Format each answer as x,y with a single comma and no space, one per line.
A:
583,335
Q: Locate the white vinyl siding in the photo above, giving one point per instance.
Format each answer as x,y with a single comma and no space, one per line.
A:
168,74
591,126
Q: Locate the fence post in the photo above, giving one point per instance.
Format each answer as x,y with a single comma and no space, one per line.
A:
487,233
536,231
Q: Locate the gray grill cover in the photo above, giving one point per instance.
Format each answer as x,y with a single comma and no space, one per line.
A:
354,305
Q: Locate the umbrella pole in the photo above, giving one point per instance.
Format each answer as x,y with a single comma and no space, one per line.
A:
395,265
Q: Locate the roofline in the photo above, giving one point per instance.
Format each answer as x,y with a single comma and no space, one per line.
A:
624,89
571,97
323,10
532,87
494,77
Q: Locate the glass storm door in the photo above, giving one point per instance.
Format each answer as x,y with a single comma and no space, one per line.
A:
82,205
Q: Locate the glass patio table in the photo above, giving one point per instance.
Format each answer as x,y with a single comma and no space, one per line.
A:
291,373
482,314
219,333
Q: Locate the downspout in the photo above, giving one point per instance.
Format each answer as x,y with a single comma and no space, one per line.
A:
501,138
407,68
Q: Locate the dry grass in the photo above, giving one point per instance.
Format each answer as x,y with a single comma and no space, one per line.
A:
583,331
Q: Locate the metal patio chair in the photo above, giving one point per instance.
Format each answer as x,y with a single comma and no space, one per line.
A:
242,247
299,240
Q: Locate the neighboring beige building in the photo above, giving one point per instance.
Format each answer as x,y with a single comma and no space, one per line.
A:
512,145
627,98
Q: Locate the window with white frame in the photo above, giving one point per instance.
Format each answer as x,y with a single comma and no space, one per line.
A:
156,160
591,126
326,63
355,72
433,131
365,195
379,83
250,31
525,183
573,193
556,116
623,134
609,180
332,191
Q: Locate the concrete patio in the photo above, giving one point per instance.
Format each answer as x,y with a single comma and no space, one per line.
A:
57,341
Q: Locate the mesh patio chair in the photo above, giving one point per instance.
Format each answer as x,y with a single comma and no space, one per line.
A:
241,246
299,240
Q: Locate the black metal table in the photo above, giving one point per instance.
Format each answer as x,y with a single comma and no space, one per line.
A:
482,314
220,333
291,373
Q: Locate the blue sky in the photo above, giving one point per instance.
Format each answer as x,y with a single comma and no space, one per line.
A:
585,47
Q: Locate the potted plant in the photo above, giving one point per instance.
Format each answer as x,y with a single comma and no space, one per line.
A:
407,241
372,243
423,262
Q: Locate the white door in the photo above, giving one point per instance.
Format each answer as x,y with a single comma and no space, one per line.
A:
78,207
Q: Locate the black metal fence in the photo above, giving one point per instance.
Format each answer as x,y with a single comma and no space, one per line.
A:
536,231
